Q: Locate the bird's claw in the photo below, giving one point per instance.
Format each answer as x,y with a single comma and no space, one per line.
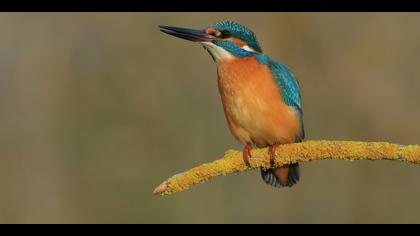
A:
246,152
272,153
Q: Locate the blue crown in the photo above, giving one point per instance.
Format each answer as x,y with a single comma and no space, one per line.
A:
239,31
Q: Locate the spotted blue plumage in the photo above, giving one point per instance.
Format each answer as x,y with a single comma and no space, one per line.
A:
240,32
288,84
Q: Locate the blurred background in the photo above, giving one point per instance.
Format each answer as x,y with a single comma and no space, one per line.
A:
96,109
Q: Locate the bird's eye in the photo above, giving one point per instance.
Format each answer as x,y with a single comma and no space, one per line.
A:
218,34
224,34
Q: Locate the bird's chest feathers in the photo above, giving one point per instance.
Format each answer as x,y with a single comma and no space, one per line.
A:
253,102
242,82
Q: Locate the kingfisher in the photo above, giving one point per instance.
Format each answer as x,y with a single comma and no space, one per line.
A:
260,96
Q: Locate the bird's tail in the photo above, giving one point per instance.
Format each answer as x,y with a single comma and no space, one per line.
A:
284,176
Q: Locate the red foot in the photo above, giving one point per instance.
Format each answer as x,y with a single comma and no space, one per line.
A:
246,152
272,153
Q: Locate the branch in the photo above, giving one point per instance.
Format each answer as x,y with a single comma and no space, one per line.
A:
232,161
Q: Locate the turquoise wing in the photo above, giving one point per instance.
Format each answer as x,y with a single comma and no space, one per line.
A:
288,84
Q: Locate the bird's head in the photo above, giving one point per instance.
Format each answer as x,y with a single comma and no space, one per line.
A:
223,40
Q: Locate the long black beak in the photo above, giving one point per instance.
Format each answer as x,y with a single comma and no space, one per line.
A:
188,34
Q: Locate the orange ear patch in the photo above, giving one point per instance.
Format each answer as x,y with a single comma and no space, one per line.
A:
238,42
211,31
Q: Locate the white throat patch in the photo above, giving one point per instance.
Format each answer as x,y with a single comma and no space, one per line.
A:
217,52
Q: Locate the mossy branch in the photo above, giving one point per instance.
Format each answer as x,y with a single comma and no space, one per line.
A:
232,161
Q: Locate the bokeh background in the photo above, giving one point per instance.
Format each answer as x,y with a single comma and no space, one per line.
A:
96,109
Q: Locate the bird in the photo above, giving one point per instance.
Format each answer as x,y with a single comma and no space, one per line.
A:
260,96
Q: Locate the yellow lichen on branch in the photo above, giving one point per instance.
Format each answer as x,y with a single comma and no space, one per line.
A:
232,161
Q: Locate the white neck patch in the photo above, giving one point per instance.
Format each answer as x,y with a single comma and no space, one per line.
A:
218,53
247,48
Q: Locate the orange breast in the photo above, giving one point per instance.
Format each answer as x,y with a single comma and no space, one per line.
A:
253,104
